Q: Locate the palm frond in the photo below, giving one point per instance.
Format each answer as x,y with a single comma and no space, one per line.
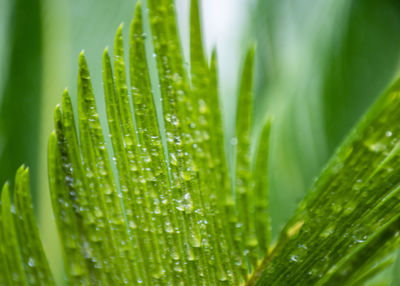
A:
167,213
162,208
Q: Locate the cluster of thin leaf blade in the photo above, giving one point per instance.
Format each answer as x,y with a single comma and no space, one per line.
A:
164,211
22,259
170,216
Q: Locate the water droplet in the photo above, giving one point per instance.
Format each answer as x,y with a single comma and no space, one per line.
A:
327,231
195,240
187,203
132,225
388,133
313,272
31,262
336,207
168,228
360,235
179,205
358,184
157,210
376,147
360,239
173,159
222,276
159,273
178,140
154,55
177,78
349,208
202,106
177,267
98,212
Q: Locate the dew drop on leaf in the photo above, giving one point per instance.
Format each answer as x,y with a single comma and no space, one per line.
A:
327,231
31,262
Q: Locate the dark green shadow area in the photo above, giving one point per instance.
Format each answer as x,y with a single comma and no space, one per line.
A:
21,96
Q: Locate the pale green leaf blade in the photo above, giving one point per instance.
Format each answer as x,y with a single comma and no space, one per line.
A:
224,193
245,234
261,184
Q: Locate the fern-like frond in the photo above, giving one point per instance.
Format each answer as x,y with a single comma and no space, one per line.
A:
163,210
168,213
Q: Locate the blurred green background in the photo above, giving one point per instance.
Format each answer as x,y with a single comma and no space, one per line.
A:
320,65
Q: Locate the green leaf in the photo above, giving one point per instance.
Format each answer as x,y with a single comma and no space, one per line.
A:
351,211
261,188
159,208
245,234
23,261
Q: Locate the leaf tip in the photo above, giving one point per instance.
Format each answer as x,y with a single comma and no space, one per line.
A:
21,177
5,194
6,186
138,10
21,169
268,121
82,60
52,136
52,144
65,99
57,114
106,59
120,28
250,53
